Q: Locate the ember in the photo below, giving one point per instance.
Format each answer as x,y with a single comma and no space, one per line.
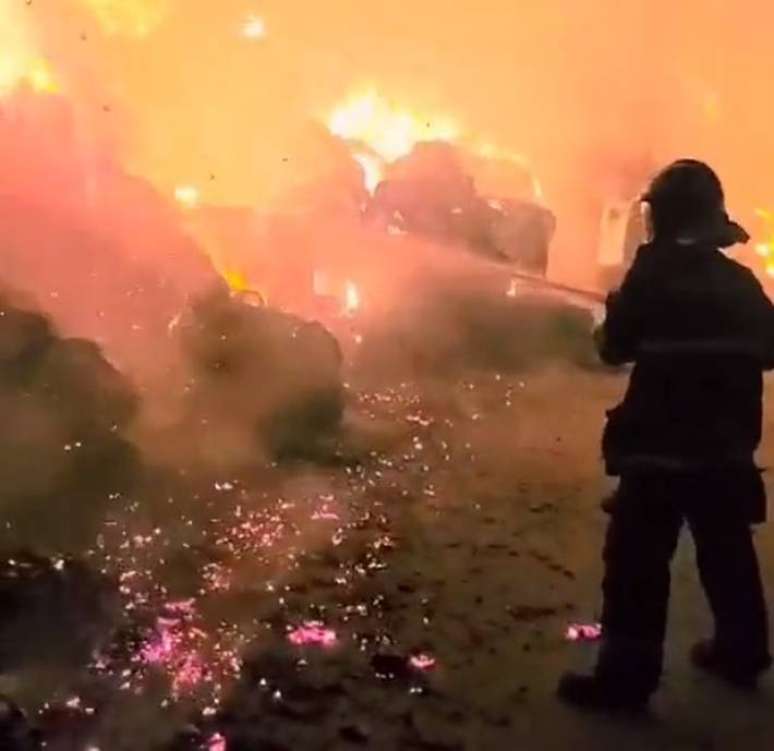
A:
216,742
312,633
583,632
422,661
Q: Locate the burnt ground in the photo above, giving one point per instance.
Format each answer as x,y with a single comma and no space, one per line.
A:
460,526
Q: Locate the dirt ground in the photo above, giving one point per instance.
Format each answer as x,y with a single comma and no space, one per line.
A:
470,535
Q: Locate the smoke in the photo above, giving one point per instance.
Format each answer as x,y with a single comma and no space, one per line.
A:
100,250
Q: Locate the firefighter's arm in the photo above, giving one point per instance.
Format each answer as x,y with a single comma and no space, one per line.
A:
618,338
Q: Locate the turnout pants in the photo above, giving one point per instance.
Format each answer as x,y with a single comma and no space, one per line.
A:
646,519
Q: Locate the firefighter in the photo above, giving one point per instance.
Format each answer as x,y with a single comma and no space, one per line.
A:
699,330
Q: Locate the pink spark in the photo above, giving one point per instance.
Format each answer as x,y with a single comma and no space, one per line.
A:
422,661
188,674
312,632
180,607
583,632
325,515
161,648
216,743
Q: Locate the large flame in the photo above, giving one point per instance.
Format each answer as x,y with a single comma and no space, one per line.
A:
388,130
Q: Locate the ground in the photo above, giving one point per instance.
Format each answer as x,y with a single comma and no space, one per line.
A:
443,561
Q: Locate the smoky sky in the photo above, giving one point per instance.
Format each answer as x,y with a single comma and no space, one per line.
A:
588,92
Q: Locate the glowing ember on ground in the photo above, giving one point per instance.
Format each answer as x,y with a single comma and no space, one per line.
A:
422,661
312,633
583,632
216,743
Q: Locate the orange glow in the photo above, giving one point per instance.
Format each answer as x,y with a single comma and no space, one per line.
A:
132,18
40,77
19,58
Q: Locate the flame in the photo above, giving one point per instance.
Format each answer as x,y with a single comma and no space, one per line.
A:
241,285
380,132
766,249
254,27
41,78
15,45
236,280
187,196
20,63
389,131
132,18
373,170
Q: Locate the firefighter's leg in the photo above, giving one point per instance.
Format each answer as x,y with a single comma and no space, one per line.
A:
728,566
641,540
